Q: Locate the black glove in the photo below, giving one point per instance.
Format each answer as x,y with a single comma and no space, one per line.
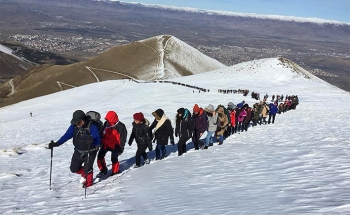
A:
150,148
129,143
176,134
154,140
53,144
172,142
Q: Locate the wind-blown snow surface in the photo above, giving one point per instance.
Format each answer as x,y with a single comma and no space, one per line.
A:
299,165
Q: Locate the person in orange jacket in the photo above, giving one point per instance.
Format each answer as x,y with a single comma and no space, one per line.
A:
113,140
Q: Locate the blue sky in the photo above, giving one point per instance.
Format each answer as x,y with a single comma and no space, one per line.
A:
325,9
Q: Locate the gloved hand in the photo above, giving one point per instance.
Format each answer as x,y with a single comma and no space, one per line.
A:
53,144
154,140
176,134
150,148
172,142
129,143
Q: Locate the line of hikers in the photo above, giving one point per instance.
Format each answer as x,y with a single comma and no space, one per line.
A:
93,138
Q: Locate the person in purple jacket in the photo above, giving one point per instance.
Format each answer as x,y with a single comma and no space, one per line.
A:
86,141
199,119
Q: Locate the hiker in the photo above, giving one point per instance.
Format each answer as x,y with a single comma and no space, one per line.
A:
162,131
233,119
265,112
183,129
86,140
223,123
31,114
248,117
272,113
113,140
242,115
143,137
212,124
199,119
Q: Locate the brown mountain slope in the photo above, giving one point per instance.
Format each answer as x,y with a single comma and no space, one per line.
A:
158,57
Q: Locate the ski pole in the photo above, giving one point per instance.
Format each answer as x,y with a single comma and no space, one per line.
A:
51,165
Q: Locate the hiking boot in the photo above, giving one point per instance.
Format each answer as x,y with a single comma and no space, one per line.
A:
220,143
136,166
101,174
205,147
147,161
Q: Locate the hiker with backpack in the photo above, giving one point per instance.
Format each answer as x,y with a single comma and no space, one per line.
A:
212,124
272,113
162,131
113,140
223,123
200,123
183,129
86,140
143,137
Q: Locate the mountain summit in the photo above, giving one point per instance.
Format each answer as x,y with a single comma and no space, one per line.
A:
159,57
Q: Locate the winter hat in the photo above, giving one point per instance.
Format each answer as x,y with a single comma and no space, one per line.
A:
158,114
181,111
230,105
138,116
196,108
78,115
210,108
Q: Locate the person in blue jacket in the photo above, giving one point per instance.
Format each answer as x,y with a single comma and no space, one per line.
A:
272,113
86,141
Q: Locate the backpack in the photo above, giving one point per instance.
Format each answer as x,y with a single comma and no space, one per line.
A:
95,118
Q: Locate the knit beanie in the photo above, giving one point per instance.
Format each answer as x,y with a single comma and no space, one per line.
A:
196,108
138,116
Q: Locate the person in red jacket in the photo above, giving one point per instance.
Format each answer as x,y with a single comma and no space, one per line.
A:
113,140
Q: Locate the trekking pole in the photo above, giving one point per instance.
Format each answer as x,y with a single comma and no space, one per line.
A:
51,165
87,163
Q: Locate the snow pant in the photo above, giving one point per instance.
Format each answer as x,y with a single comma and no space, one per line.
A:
101,162
76,166
260,119
236,126
240,126
208,138
273,118
141,151
233,129
227,132
160,152
196,140
255,122
181,145
246,125
264,120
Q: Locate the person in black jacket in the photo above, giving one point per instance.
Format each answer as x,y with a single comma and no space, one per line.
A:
162,131
183,129
142,135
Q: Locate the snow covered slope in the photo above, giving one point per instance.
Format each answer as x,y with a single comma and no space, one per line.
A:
299,165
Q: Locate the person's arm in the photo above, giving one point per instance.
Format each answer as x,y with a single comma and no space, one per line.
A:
170,131
123,133
95,135
68,135
132,137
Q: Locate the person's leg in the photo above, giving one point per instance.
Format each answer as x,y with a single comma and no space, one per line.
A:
208,138
163,149
157,152
101,162
273,118
115,162
88,167
76,164
138,154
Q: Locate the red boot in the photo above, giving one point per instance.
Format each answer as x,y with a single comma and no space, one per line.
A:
115,168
